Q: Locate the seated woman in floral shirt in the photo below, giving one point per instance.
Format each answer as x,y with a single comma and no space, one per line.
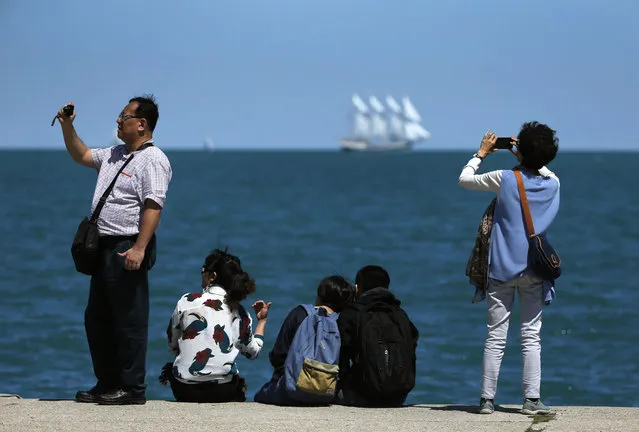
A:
209,329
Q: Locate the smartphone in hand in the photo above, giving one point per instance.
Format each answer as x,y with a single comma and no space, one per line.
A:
504,143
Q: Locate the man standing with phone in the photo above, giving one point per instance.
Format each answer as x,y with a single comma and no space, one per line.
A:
117,313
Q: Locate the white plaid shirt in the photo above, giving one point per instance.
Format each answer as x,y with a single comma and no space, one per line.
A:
147,176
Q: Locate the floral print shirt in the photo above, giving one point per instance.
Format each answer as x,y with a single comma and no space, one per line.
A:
206,337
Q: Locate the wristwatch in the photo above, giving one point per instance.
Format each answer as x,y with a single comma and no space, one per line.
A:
476,155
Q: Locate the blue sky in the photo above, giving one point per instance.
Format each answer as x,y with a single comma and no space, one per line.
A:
280,73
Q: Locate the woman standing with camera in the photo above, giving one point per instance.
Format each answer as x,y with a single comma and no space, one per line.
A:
509,268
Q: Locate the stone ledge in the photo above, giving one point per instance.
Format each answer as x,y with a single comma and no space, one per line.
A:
21,415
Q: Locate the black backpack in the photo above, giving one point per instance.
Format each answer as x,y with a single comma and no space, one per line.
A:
386,354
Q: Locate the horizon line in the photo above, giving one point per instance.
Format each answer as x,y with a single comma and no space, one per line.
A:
329,150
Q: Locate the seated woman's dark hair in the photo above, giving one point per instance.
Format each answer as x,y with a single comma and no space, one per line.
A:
537,145
230,276
335,292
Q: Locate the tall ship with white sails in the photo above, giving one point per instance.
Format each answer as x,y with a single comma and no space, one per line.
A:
379,127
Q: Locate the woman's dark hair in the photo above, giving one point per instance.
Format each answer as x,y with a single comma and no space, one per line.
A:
537,145
335,292
230,276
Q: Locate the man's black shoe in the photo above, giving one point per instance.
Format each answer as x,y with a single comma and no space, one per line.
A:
121,397
89,396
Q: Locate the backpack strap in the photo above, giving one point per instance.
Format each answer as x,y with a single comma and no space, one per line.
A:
310,309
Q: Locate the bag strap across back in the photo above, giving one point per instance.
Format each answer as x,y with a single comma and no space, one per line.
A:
103,198
530,227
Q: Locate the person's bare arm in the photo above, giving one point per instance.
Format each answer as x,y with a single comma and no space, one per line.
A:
261,311
150,222
79,152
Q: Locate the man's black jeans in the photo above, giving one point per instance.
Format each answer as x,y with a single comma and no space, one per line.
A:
116,318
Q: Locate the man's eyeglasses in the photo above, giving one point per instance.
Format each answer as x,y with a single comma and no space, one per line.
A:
125,117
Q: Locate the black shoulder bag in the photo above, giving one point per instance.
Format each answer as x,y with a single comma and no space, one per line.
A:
542,257
84,248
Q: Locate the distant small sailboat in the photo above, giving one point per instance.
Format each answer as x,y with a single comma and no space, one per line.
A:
208,144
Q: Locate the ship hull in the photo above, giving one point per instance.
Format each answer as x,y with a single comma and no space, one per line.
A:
355,145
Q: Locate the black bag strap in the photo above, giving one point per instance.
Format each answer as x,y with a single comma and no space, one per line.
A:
103,198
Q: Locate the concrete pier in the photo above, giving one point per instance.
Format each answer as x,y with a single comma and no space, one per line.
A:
22,415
